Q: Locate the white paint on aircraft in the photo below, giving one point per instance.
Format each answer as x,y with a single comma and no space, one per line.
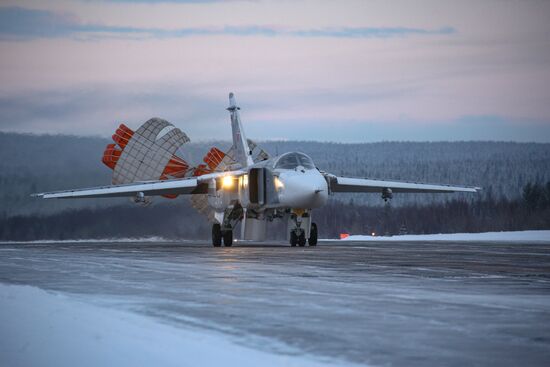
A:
286,187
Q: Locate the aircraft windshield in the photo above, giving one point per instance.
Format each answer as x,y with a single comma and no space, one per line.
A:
293,160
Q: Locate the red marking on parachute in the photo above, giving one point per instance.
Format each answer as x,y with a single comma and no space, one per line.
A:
175,168
111,156
122,135
168,196
201,169
213,158
112,152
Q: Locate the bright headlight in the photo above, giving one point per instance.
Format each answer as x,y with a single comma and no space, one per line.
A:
278,183
227,182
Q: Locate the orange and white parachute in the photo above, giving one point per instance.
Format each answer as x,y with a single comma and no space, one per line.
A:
149,153
146,154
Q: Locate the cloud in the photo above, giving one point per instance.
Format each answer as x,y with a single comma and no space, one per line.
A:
170,1
366,32
97,110
27,23
22,23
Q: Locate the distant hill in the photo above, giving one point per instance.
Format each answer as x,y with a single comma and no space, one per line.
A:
35,163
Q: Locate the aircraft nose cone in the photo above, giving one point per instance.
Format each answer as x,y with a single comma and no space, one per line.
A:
303,190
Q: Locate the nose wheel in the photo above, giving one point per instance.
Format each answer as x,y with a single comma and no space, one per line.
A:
293,239
297,239
300,239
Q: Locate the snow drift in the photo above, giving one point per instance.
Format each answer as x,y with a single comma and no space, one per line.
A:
519,236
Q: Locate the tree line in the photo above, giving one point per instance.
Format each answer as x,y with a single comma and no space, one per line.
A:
537,196
455,216
38,163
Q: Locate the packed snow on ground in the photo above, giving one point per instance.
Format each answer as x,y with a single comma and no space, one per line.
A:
519,236
39,328
96,240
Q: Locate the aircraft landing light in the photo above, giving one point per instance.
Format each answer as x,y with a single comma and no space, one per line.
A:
278,183
227,182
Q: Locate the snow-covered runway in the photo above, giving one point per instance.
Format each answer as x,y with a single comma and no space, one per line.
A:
377,303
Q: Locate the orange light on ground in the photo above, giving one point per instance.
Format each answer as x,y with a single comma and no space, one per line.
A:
344,235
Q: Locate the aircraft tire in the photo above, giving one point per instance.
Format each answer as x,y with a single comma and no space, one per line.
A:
312,240
302,239
228,238
216,235
293,238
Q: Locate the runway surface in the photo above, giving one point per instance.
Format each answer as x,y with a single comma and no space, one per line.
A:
387,303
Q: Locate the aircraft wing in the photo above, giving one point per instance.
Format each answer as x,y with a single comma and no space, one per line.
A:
348,184
194,185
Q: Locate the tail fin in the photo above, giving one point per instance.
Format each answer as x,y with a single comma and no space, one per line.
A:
243,154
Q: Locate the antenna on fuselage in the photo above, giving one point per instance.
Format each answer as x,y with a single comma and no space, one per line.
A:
243,154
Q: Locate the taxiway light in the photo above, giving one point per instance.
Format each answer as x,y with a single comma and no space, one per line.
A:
227,182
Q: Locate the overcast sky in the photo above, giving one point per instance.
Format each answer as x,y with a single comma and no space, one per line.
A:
348,71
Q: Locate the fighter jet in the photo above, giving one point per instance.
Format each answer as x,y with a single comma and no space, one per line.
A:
243,185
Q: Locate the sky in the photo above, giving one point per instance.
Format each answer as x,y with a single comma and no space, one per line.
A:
343,71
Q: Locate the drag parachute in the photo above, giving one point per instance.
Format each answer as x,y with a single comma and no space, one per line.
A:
149,153
146,154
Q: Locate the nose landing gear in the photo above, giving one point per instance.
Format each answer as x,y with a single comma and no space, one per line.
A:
293,238
298,236
302,239
297,239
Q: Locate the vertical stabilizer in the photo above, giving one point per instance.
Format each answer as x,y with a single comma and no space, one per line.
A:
243,154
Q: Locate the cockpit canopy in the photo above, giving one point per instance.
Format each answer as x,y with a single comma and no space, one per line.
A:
293,160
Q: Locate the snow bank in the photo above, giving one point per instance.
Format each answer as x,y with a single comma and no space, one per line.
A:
100,240
519,236
45,329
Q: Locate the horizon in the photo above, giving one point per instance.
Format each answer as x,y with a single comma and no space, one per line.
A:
228,141
347,72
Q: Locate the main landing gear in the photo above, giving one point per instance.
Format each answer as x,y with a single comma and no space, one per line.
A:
218,235
312,240
298,236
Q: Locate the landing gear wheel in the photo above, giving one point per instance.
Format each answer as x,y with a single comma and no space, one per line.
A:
313,235
227,238
216,235
302,239
293,238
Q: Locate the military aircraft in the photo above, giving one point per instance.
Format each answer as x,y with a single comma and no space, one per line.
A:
243,185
